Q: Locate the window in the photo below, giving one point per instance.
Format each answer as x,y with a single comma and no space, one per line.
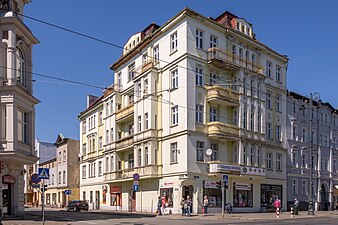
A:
278,133
84,124
304,160
213,114
304,135
269,161
100,118
234,52
268,68
199,39
213,78
90,196
53,179
174,78
139,124
107,136
146,121
213,41
131,71
173,41
100,168
252,120
251,159
107,110
107,164
245,155
59,177
119,81
258,157
294,186
304,187
200,151
174,115
156,53
139,154
100,143
278,103
60,158
243,195
64,155
269,130
64,177
258,89
294,107
259,116
84,149
214,148
244,118
199,113
145,86
268,100
20,67
130,161
294,132
279,162
278,73
22,127
145,58
199,75
146,157
173,150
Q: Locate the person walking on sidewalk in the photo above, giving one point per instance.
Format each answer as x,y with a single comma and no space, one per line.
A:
205,205
183,206
159,205
189,203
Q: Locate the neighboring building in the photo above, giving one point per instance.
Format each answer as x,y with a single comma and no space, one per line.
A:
91,155
63,173
324,149
194,84
44,151
17,106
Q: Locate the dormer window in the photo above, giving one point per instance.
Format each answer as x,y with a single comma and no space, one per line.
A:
20,67
243,28
238,26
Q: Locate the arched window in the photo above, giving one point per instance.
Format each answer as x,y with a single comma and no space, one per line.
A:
20,67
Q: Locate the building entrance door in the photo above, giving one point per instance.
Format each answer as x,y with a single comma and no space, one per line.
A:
6,199
97,200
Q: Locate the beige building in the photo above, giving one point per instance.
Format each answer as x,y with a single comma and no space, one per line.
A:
193,86
63,173
17,106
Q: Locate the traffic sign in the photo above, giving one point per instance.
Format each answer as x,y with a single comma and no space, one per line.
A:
135,188
136,176
43,173
225,178
35,178
36,186
68,192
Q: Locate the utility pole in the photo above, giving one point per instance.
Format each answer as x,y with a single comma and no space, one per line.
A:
222,185
43,201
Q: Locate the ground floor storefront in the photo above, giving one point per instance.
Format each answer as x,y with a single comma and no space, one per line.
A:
244,193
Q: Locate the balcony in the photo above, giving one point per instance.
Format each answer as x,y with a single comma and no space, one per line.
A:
148,64
150,171
223,59
124,143
151,133
125,113
222,131
219,95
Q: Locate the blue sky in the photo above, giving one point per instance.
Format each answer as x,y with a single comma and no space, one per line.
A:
303,30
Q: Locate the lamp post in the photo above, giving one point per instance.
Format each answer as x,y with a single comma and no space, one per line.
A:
313,96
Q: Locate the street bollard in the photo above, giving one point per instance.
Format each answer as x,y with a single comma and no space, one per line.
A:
291,212
277,212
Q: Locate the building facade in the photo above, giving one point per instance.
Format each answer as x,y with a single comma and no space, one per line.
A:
44,151
17,106
63,173
193,86
324,139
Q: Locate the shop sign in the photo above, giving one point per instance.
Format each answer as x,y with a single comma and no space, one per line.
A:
8,179
210,184
243,187
247,170
166,184
218,168
115,189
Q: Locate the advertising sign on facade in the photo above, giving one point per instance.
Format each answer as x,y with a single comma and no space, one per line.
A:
210,184
219,168
243,187
166,184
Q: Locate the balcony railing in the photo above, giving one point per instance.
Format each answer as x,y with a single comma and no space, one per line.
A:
220,95
222,131
125,112
227,60
125,142
144,172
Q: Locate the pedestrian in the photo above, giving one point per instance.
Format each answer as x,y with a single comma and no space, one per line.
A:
189,203
205,205
296,207
159,205
277,204
183,206
164,205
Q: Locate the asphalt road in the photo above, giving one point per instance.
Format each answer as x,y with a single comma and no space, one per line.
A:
56,217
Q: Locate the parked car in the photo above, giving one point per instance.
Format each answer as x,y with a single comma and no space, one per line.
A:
78,205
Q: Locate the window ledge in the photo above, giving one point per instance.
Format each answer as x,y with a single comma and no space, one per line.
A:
173,163
173,51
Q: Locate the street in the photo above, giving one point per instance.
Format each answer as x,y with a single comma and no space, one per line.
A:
56,217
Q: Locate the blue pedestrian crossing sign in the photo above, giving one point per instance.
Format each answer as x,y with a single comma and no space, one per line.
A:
225,178
135,188
43,173
68,192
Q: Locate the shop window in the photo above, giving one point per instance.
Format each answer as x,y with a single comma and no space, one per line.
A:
269,193
116,199
167,193
104,198
242,195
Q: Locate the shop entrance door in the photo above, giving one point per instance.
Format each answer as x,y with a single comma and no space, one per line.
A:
6,199
188,191
97,200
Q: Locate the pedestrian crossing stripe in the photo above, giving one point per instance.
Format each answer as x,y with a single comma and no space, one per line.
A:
43,173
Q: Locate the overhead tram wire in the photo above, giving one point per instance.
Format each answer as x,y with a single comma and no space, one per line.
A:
120,47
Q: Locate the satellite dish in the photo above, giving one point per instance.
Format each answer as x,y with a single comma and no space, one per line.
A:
208,152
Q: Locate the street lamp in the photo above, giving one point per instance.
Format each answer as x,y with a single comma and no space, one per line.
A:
313,97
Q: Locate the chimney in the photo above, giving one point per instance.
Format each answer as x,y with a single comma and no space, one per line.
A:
91,99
